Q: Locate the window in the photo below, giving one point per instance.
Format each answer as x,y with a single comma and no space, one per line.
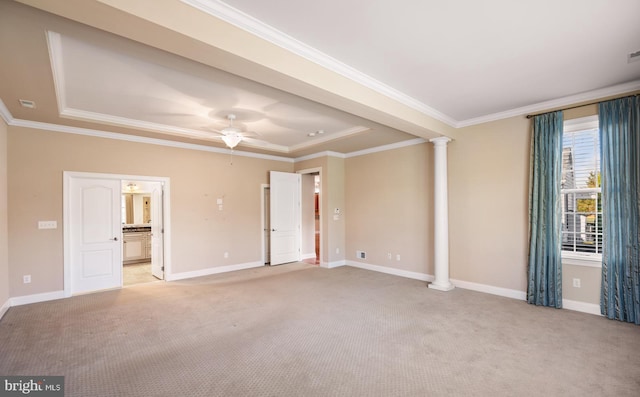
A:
580,190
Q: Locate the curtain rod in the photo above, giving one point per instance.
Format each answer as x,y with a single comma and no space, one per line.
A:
579,106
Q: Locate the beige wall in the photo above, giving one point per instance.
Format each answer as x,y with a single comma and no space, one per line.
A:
335,192
385,199
389,199
488,203
200,232
4,241
488,208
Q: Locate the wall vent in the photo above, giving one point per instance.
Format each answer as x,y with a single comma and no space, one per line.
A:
27,103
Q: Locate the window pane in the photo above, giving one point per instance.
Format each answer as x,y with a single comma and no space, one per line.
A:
580,159
581,210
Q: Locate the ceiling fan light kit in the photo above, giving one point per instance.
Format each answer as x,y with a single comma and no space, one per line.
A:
232,140
231,135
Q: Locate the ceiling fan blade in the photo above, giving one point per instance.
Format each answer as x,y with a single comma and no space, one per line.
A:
249,134
255,141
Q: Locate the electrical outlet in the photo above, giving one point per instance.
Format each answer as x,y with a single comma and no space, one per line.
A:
361,255
26,278
398,257
47,225
226,254
576,282
337,250
389,256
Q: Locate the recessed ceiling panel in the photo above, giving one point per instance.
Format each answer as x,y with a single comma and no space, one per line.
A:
116,81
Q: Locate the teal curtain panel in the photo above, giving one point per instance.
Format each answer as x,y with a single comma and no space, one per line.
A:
620,168
545,267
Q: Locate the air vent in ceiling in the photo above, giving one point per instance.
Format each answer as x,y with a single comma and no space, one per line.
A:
634,56
27,103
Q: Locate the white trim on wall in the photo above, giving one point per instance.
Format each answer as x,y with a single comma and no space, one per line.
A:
383,148
392,271
139,139
212,270
5,307
583,307
490,289
35,298
263,249
331,265
484,288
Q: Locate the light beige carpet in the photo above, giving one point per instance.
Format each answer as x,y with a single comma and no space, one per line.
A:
301,330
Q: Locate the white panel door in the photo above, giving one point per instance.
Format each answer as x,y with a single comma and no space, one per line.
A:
157,231
96,231
284,217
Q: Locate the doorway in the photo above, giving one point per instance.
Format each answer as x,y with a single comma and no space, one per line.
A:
141,225
312,225
94,216
311,215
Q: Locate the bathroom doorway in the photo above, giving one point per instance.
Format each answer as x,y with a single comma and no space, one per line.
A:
142,229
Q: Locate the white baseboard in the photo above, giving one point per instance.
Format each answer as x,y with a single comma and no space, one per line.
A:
5,306
490,289
331,265
35,298
212,270
583,307
311,255
393,271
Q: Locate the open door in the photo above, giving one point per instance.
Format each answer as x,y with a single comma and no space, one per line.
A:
157,231
284,201
96,249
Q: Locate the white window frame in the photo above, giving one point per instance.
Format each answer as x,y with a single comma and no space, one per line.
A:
581,258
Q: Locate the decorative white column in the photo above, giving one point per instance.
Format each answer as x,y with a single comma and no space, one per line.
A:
441,216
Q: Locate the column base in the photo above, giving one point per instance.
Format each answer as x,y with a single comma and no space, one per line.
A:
447,287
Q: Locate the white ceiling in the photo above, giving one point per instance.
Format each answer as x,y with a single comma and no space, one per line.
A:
467,60
440,65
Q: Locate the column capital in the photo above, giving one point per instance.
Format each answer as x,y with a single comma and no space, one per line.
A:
440,141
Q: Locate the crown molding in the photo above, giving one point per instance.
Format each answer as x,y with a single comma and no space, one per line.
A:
246,22
5,113
77,114
54,45
383,148
327,153
139,139
8,118
329,137
555,103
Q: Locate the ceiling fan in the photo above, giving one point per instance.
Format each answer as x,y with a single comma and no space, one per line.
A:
232,135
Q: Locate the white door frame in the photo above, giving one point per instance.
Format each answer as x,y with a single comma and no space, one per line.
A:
317,170
67,226
263,210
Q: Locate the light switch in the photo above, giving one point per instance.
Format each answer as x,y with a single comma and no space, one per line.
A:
336,217
219,201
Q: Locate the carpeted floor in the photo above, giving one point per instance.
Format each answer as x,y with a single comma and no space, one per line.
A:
302,330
